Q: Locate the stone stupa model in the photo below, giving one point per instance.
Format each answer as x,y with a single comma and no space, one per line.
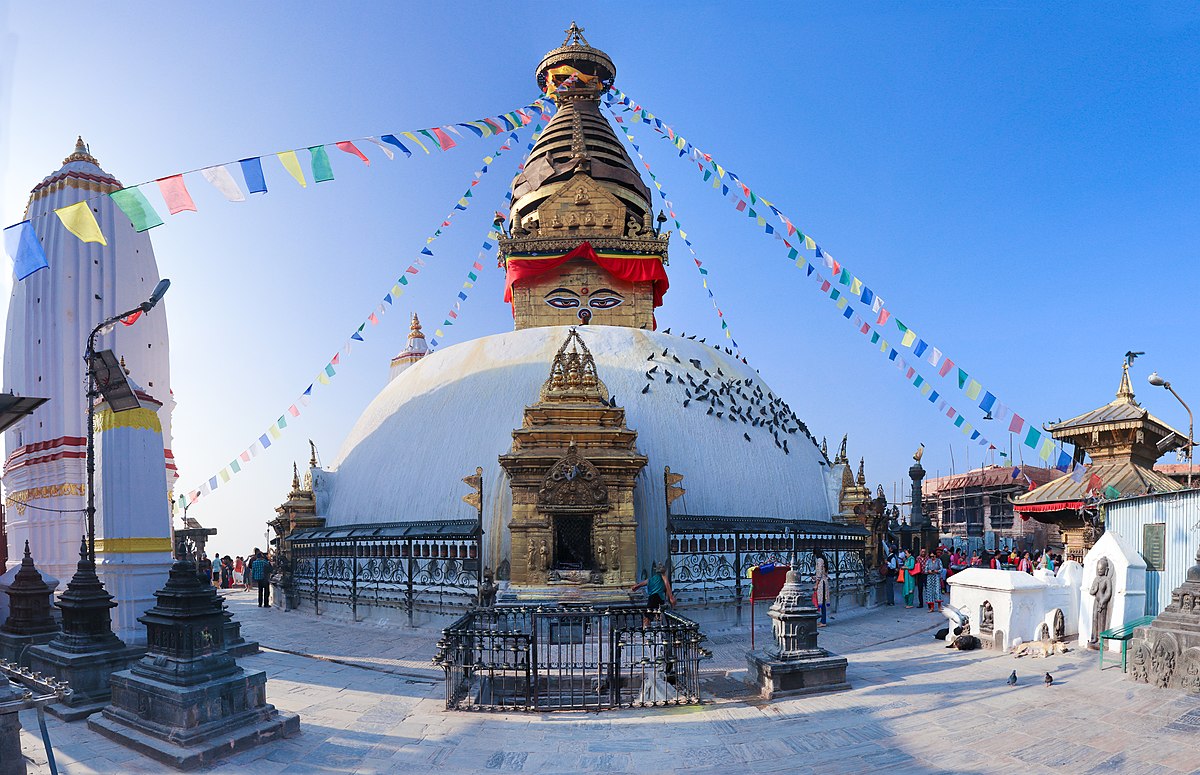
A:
187,702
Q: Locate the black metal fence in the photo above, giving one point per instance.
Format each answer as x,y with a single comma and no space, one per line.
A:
410,567
710,557
567,658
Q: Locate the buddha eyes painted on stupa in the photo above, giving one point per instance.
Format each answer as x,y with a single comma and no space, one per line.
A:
601,298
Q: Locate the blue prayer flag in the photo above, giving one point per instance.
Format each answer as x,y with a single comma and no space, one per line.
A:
921,345
212,483
462,295
427,251
848,312
474,129
357,336
252,172
264,440
988,402
22,245
391,140
933,397
868,296
892,355
1064,462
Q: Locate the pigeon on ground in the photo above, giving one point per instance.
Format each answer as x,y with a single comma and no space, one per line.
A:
692,337
646,389
1048,680
719,415
650,357
653,369
686,401
612,401
695,362
710,410
1012,678
675,359
746,436
667,331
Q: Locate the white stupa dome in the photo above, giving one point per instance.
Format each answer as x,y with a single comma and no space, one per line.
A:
456,409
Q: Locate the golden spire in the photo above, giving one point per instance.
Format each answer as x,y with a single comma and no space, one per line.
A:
312,460
862,479
1125,390
573,373
82,153
295,477
414,329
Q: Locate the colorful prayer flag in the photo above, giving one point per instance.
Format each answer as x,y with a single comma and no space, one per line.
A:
22,245
392,139
321,169
291,163
252,171
352,149
175,194
78,220
221,180
137,208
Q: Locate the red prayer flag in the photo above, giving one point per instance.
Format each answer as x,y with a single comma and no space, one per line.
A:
374,320
294,411
884,314
412,270
443,139
1017,422
946,366
336,358
245,456
741,205
350,148
175,194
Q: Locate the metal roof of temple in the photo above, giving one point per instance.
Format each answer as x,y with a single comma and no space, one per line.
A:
375,531
1122,412
1123,474
699,523
578,138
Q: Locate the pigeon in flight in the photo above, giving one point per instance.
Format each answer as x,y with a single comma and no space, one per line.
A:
1012,678
667,331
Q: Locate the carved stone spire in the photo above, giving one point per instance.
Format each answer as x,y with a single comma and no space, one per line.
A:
862,478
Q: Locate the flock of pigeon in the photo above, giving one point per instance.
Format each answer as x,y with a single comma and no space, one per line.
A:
730,400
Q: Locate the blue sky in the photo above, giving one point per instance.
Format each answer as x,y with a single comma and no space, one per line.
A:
1019,181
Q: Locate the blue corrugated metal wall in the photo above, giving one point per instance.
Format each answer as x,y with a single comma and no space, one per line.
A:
1180,513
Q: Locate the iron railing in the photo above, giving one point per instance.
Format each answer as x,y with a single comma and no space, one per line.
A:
568,658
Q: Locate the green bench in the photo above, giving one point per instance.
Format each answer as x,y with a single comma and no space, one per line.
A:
1123,633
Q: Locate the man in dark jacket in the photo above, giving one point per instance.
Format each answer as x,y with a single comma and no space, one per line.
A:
260,574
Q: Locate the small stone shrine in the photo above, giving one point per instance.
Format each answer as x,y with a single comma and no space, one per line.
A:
30,620
1167,653
86,652
1113,589
795,664
187,703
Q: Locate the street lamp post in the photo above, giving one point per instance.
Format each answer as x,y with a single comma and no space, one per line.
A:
92,392
1158,381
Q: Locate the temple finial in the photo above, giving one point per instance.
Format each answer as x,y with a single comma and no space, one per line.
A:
81,153
27,555
862,478
575,35
295,477
1125,390
83,548
312,460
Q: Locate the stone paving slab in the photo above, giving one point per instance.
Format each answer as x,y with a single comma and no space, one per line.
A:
370,702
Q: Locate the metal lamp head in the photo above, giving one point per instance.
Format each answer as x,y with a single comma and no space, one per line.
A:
1156,380
160,290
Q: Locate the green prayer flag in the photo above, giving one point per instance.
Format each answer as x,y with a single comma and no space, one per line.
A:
958,421
329,369
235,466
874,337
136,207
845,277
431,137
282,421
473,276
320,164
1031,438
1111,492
962,379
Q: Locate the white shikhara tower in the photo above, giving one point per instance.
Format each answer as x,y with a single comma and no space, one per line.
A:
50,316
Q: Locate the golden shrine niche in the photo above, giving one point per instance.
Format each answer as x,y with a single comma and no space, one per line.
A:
572,468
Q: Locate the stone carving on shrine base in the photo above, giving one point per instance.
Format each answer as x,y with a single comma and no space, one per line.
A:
1166,654
1101,592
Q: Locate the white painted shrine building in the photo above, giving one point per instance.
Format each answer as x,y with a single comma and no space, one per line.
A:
50,315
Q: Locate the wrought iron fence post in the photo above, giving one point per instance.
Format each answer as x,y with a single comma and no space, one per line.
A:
837,579
408,593
317,581
354,580
737,575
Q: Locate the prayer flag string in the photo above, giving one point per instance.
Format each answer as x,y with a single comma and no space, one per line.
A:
77,218
704,276
331,369
745,200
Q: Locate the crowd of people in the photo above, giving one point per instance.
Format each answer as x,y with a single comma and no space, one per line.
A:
253,572
922,576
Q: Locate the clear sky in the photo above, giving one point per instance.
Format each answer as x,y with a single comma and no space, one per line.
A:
1020,182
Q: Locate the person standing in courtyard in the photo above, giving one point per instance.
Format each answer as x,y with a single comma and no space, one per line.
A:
933,582
821,585
888,570
919,576
906,578
260,573
658,591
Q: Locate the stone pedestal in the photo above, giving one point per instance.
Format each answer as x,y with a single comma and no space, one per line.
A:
29,621
12,762
1167,653
235,643
187,703
86,652
795,665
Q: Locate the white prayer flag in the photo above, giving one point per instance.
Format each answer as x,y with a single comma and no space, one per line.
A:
383,148
222,181
935,355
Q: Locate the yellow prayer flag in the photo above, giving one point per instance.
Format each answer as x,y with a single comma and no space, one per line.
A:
682,234
397,290
274,431
761,221
966,429
883,345
79,221
800,262
856,286
292,165
973,389
910,336
413,137
438,333
926,388
1046,450
720,171
323,378
224,474
809,243
468,284
842,302
727,336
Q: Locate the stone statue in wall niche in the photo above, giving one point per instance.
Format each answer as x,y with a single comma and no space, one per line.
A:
545,554
531,553
601,551
613,553
1101,592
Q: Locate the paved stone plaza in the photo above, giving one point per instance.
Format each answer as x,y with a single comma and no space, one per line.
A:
370,702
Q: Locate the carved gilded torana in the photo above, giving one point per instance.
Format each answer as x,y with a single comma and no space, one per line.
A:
572,469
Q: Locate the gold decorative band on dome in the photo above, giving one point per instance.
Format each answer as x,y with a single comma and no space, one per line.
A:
141,419
18,500
90,186
132,545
